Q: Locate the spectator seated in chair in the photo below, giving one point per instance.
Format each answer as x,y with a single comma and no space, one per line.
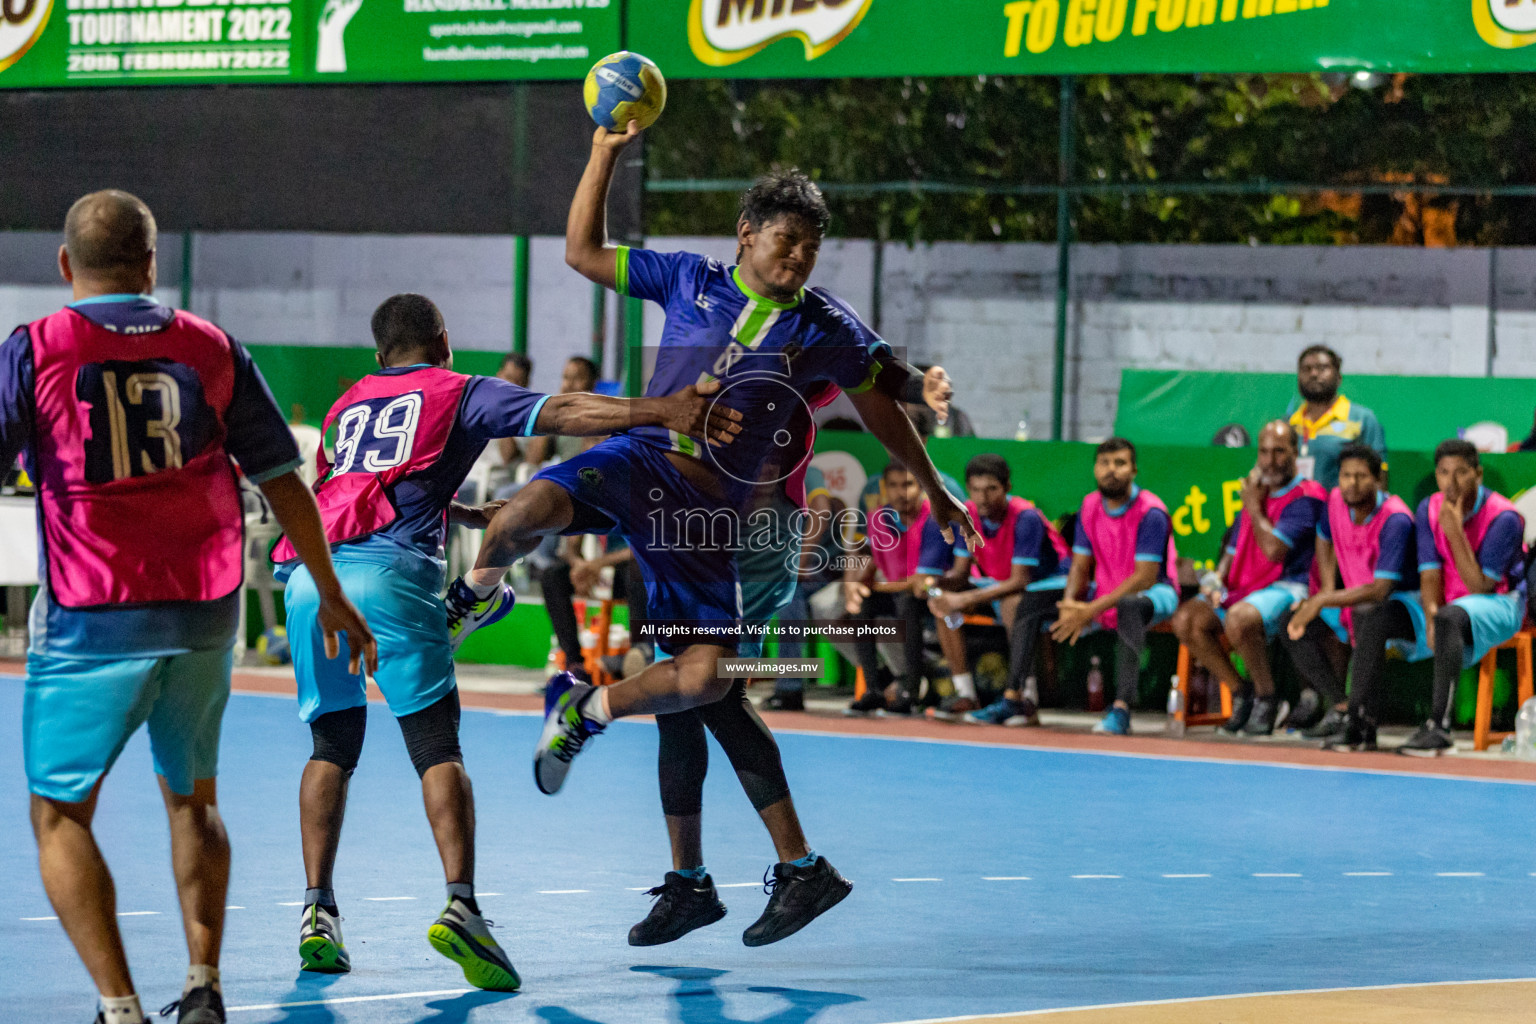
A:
1017,576
1366,539
1124,568
1261,577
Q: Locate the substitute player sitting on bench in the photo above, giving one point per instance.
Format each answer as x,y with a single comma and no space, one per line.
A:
1018,575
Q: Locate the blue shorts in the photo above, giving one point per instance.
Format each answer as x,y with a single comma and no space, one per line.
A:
684,541
1272,602
1333,618
1495,618
409,623
769,575
78,714
1164,598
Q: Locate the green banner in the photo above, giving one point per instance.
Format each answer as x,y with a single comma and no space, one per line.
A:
127,42
867,38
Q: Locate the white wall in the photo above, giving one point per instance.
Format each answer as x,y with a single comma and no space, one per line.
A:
986,312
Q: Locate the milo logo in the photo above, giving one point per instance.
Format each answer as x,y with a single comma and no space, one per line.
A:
1506,24
1514,15
723,32
21,22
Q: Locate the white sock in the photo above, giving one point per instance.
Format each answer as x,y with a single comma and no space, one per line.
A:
1032,691
484,581
595,707
199,975
964,685
122,1010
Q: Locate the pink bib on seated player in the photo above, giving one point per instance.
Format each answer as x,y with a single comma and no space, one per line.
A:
137,498
994,560
1476,528
1251,569
896,552
388,427
1114,542
1357,546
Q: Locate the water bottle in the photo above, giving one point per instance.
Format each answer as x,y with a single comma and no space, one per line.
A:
942,427
1021,433
1095,685
1525,731
1175,707
954,620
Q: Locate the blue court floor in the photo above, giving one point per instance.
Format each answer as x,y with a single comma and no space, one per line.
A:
988,880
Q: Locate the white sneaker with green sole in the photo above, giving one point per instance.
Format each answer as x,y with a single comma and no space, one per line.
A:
320,945
464,937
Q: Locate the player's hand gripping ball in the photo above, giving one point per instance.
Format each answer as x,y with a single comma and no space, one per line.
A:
625,87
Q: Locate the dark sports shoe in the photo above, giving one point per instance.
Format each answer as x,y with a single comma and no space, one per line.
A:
1357,734
681,906
1261,721
783,702
953,708
796,897
868,704
1242,707
1429,741
202,1005
901,707
1333,723
1308,712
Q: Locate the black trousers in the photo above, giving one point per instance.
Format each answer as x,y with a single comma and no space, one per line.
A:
909,611
1376,624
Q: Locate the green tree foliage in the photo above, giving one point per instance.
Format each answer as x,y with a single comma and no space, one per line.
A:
1001,133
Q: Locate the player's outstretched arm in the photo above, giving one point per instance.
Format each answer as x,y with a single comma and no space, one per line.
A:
587,249
888,422
691,411
294,505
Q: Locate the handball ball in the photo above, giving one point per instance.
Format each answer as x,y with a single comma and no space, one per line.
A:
272,646
625,87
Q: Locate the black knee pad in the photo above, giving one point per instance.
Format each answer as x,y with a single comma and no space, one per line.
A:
432,734
338,737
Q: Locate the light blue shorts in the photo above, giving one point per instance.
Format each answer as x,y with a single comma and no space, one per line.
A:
78,714
1495,618
409,623
1165,601
1333,618
1272,602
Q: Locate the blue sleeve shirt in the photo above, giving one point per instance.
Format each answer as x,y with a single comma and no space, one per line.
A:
935,557
1397,556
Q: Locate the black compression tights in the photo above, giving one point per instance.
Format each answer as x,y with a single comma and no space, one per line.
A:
683,756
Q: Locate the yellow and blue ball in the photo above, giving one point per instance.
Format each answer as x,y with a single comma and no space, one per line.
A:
625,87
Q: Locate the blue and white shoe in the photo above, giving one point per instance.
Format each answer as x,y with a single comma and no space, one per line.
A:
566,731
996,713
1116,722
467,613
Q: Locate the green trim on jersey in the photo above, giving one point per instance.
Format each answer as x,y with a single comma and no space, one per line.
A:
869,381
763,300
621,270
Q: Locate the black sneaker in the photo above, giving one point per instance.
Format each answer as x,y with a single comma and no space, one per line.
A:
1242,707
1333,723
1429,741
796,897
868,704
901,707
1307,712
783,702
202,1005
1261,721
1358,734
681,906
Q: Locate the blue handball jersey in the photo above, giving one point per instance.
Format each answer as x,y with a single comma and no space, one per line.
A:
769,356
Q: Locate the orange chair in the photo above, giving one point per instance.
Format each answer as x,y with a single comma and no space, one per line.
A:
1520,643
1183,674
593,655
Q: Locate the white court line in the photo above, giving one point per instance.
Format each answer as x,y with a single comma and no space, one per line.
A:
738,885
39,919
639,888
1367,874
352,999
1458,874
137,913
1211,999
1098,876
479,894
1186,876
1276,874
1006,878
292,903
387,899
917,879
233,907
561,892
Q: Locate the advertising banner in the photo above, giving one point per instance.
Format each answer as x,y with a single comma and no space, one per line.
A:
127,42
876,38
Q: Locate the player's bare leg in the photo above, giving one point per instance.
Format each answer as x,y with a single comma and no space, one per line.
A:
1245,631
200,859
540,509
322,808
450,805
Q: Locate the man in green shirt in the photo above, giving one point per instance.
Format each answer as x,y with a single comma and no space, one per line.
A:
1325,420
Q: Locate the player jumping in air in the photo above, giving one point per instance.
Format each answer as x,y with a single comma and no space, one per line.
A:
406,438
770,342
129,413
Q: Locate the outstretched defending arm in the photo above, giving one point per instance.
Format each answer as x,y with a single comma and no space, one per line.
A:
587,249
886,420
691,411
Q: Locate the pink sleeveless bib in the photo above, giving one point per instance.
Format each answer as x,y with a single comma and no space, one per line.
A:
1251,571
1476,529
896,552
1114,542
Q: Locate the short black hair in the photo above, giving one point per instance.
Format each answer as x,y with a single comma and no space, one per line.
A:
1464,450
587,366
1321,350
1365,453
518,360
784,193
894,466
1115,444
405,322
108,233
988,464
